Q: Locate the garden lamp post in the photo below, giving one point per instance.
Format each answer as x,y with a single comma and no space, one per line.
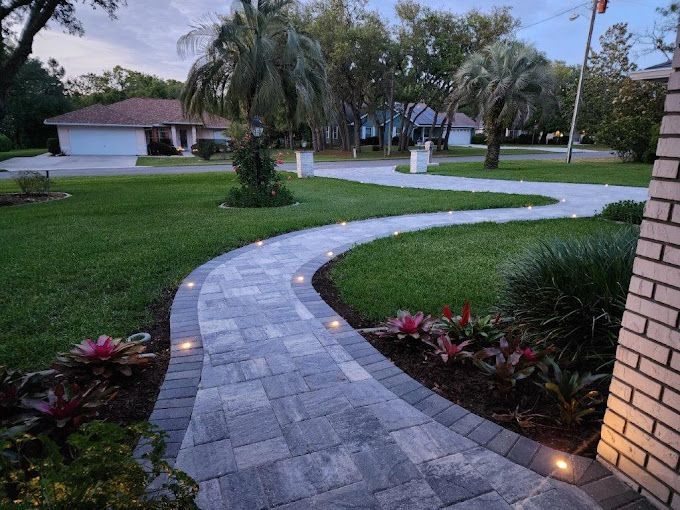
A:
257,129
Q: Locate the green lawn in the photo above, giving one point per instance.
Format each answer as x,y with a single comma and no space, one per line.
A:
597,172
94,263
328,155
422,271
21,153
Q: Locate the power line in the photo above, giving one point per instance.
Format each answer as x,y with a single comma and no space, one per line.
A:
554,16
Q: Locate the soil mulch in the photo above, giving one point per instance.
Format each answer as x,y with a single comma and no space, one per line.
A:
527,410
137,394
7,199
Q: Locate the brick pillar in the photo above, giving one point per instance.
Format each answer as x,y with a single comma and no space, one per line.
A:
641,430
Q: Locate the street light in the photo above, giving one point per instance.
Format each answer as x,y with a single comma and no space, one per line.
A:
257,131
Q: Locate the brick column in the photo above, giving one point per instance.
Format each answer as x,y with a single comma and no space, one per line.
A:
641,430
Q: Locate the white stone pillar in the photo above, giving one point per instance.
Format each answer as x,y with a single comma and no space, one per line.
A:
305,163
428,148
173,136
418,161
194,140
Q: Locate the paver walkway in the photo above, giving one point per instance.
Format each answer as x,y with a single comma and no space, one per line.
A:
291,413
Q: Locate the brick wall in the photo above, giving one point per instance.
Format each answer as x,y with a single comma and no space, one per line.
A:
641,430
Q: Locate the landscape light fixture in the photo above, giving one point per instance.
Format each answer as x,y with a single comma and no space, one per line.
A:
257,131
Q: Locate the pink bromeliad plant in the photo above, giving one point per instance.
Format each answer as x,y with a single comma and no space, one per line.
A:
70,404
405,325
450,351
104,356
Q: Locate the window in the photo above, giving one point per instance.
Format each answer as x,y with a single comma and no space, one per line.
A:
335,132
368,131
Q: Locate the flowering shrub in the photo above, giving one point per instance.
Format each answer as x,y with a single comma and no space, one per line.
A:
104,357
465,327
256,170
574,399
406,325
69,404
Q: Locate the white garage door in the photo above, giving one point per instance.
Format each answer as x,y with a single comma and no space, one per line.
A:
103,141
460,136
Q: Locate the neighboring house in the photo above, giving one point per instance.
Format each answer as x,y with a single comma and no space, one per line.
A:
462,129
126,128
659,72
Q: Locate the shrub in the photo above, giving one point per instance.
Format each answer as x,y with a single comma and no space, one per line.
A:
53,146
572,292
479,139
587,140
103,358
376,148
5,143
370,140
205,149
32,182
161,149
97,469
260,182
465,327
627,211
630,137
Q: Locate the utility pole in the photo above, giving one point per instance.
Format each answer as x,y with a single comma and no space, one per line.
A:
598,5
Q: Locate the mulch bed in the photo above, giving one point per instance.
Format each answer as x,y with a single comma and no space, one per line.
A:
465,385
7,199
137,394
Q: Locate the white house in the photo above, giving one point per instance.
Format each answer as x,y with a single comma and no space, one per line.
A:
126,128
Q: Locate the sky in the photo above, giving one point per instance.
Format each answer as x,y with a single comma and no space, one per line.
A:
144,36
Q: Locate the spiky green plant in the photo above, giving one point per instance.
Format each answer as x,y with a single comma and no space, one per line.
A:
572,292
505,82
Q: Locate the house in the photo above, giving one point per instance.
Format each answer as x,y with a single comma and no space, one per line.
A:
127,127
462,128
659,72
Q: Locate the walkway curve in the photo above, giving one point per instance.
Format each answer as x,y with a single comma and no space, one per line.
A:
293,407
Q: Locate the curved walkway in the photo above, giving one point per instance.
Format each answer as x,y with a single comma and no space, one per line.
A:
294,409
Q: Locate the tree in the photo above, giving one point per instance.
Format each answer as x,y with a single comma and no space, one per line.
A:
253,62
119,84
506,81
37,93
21,20
661,36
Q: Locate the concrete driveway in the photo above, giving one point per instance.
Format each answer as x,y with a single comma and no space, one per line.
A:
47,162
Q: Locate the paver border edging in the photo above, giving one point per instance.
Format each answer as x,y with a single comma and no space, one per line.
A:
588,474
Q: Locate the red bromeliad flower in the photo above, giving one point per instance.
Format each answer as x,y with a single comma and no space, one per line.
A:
465,314
448,350
405,324
102,349
446,312
529,354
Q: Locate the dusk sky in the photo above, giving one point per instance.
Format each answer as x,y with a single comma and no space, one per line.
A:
145,34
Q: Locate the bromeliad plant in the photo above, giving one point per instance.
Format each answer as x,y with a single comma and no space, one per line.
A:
405,325
451,351
15,387
105,357
570,390
512,363
484,330
69,404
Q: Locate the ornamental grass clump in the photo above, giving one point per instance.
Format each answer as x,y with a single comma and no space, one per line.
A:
572,293
261,184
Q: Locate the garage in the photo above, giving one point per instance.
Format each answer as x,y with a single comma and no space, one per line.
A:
460,136
100,141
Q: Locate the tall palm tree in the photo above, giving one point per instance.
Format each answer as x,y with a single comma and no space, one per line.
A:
505,82
253,62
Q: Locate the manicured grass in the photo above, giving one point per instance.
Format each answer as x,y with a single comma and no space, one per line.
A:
93,263
21,153
328,155
597,172
421,271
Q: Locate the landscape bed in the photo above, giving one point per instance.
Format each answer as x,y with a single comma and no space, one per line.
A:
371,282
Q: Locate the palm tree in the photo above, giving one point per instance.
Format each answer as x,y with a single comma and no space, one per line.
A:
505,82
253,62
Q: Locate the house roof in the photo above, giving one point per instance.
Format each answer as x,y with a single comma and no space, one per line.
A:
658,72
139,112
423,116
